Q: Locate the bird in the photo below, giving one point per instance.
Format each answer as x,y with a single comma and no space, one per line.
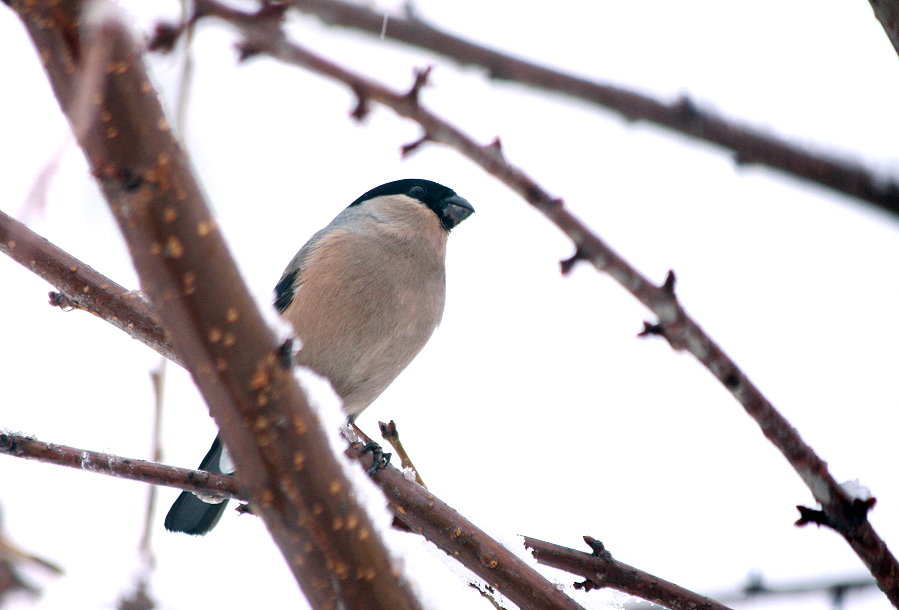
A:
363,296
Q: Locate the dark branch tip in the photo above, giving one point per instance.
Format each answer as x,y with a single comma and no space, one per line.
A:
587,585
668,286
246,50
495,147
360,111
58,299
651,329
566,265
813,516
859,508
421,79
273,9
388,430
688,109
165,35
410,147
597,547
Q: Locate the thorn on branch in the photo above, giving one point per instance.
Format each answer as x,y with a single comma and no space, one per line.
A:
388,430
421,79
688,111
858,511
362,108
598,548
568,264
587,585
410,147
495,147
668,286
812,515
165,35
58,299
246,50
273,9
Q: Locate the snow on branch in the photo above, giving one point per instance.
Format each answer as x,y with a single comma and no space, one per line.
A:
263,34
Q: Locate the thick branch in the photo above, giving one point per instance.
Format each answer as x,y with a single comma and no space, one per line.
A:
887,13
126,468
278,444
82,286
601,570
749,145
459,538
265,35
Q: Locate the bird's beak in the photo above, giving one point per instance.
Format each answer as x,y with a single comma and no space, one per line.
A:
455,210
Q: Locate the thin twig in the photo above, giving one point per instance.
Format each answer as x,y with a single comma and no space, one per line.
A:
265,35
602,570
749,145
126,468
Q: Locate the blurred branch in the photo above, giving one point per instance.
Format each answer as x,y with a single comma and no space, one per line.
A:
601,570
263,34
887,13
82,287
749,145
836,590
189,275
22,446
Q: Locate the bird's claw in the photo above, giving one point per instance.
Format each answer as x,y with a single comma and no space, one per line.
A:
379,459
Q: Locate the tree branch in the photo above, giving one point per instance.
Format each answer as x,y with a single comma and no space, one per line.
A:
279,445
749,145
153,473
887,13
423,512
82,287
601,570
264,34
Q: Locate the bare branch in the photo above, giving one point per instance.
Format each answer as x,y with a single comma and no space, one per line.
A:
83,287
887,13
424,513
420,510
601,570
126,468
278,444
684,333
749,145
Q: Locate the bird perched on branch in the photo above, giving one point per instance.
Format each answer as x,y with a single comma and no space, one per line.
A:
363,295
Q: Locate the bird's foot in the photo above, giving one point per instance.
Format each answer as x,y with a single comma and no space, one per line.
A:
379,459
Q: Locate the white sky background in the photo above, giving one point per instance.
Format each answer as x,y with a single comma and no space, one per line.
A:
534,410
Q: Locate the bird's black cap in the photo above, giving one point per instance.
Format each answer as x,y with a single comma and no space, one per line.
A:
449,207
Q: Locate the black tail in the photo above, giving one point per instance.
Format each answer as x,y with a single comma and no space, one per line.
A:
190,514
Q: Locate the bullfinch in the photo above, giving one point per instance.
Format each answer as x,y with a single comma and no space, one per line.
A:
363,296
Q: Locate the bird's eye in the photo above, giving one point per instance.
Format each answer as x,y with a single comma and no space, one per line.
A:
417,192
